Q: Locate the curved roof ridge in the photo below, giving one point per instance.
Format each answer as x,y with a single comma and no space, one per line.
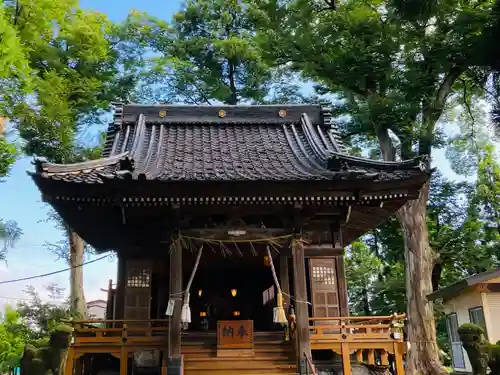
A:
138,136
336,158
44,167
313,164
312,138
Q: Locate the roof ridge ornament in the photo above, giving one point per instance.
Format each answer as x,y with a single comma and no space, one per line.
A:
126,164
424,164
333,133
326,113
38,163
117,115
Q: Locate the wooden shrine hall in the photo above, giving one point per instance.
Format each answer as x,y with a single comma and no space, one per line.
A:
229,224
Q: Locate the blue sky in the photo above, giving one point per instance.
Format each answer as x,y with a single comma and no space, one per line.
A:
21,201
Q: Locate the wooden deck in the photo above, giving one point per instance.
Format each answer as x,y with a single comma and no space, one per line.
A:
373,340
119,338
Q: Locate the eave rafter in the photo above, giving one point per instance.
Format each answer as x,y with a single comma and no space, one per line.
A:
146,201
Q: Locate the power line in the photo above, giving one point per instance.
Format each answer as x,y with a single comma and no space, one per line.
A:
31,299
53,273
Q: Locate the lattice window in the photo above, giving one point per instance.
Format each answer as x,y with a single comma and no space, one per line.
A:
323,275
139,278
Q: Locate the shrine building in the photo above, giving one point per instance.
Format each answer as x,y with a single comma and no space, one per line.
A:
229,224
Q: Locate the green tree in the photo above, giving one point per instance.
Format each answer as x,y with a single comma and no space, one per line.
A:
208,54
488,189
395,64
362,270
14,334
458,228
15,75
42,317
7,156
79,63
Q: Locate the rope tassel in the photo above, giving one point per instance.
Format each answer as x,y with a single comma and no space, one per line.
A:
279,311
186,310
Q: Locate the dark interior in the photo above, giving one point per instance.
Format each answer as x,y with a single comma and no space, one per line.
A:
216,280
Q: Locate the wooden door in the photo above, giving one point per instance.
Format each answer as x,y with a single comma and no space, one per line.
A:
324,289
138,290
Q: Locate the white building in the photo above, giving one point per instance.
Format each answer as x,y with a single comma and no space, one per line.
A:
475,299
96,309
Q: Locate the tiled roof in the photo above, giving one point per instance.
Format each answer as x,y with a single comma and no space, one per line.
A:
226,143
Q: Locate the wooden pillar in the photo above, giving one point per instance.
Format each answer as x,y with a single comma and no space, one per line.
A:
174,329
121,284
346,358
163,365
337,243
398,357
285,281
301,308
371,356
342,286
123,361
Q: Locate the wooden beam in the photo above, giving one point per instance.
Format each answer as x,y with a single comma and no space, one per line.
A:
174,330
301,308
246,234
318,251
285,281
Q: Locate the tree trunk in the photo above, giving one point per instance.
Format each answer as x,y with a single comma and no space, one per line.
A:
423,357
76,252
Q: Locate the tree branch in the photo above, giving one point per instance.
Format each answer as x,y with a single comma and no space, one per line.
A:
386,146
437,105
433,109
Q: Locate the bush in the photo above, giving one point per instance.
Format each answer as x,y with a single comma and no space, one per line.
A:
481,353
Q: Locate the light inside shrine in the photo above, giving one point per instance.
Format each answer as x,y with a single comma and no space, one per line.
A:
234,292
266,261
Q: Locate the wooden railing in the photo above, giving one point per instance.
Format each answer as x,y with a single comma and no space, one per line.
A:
375,341
125,332
118,338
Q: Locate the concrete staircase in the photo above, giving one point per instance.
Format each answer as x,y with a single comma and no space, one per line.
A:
272,356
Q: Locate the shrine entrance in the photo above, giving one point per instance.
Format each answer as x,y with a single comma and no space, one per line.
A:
236,290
